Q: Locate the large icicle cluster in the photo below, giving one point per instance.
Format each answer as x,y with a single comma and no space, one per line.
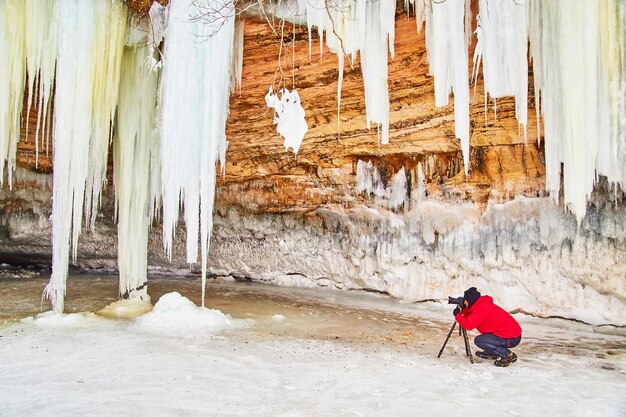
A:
578,50
502,35
136,165
90,44
447,38
195,97
365,27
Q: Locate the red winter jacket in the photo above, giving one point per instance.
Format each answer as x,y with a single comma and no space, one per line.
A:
487,317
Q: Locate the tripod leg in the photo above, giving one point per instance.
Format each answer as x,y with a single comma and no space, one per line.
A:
447,338
468,349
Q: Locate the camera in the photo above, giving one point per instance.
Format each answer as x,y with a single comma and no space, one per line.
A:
459,301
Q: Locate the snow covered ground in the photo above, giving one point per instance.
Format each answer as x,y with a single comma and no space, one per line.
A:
268,351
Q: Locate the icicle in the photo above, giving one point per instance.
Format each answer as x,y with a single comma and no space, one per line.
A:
502,40
12,80
237,57
135,172
446,43
80,112
194,97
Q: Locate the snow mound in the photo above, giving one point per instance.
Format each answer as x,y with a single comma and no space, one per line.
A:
174,313
125,309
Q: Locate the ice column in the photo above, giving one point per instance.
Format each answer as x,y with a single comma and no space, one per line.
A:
579,50
12,79
447,43
194,97
502,43
84,103
136,167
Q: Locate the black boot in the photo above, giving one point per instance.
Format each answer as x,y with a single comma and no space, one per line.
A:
509,359
485,355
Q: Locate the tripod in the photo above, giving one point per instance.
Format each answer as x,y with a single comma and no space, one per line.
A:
468,350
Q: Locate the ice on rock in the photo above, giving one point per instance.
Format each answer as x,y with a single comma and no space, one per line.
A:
369,181
398,190
195,88
288,117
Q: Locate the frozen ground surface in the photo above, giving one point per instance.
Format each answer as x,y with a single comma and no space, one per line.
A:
268,351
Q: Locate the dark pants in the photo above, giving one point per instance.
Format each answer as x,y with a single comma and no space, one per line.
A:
495,345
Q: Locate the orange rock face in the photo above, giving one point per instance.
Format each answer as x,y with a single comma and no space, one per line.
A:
261,176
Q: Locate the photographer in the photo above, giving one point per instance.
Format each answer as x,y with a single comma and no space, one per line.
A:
499,330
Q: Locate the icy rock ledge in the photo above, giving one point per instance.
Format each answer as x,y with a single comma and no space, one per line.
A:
527,253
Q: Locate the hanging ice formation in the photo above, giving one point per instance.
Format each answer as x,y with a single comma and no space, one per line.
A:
502,35
136,172
40,63
578,50
288,117
195,97
447,37
237,57
90,44
12,79
363,26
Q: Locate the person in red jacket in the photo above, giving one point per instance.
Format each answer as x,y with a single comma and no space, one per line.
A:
499,330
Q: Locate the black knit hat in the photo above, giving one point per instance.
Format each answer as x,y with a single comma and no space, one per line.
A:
471,295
